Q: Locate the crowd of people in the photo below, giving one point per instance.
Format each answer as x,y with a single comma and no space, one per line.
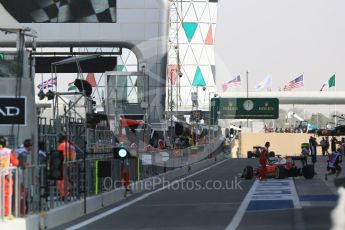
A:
283,130
334,149
18,160
10,160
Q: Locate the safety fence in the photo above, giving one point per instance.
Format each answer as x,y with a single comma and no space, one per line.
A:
9,191
30,190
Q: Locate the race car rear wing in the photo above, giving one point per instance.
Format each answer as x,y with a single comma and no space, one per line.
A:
336,131
303,159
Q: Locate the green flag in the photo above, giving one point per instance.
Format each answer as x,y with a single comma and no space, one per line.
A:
331,81
71,86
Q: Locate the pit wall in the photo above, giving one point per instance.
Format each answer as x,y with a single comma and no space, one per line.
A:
281,143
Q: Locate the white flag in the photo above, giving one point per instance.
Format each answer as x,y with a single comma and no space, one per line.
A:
266,83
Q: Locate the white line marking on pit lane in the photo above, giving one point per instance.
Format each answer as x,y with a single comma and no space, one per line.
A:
295,197
116,209
258,191
236,220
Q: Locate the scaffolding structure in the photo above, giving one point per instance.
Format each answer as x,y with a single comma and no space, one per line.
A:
191,60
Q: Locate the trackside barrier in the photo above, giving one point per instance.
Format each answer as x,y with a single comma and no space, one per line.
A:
36,193
69,212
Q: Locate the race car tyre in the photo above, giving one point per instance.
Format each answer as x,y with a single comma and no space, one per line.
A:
308,171
248,172
249,154
293,172
280,172
271,154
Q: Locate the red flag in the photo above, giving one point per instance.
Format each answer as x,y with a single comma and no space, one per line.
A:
91,79
130,122
172,73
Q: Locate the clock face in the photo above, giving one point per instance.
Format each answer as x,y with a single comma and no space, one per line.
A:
248,105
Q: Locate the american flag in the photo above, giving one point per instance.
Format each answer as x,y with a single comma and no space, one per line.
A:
48,83
296,83
233,83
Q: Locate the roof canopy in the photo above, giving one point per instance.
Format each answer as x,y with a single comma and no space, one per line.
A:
7,22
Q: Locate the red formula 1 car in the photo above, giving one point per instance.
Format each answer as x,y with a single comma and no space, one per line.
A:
282,167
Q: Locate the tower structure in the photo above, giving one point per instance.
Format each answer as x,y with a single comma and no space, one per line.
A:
191,62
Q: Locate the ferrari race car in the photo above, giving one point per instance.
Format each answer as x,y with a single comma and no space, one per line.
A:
282,167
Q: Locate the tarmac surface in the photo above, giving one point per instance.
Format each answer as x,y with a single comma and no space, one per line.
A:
217,198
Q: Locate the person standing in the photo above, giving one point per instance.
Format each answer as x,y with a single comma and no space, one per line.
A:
125,180
67,149
313,151
69,154
327,145
333,144
323,146
333,164
42,161
311,144
7,160
263,161
22,153
41,154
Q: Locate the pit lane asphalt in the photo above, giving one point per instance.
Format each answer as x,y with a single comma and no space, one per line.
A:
214,209
182,208
317,197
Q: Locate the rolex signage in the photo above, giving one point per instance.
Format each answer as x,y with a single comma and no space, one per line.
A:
244,108
12,111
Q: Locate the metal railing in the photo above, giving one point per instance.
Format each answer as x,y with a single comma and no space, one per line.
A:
9,193
34,191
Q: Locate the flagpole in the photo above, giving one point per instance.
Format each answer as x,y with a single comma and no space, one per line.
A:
247,73
293,116
335,105
41,81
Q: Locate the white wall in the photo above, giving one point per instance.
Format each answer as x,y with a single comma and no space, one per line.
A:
141,26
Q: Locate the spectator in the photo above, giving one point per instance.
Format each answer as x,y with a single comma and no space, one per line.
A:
23,151
343,145
42,155
305,152
117,142
333,164
202,140
7,159
161,143
333,144
22,154
154,140
69,154
42,160
312,146
327,145
340,147
132,137
323,146
67,148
